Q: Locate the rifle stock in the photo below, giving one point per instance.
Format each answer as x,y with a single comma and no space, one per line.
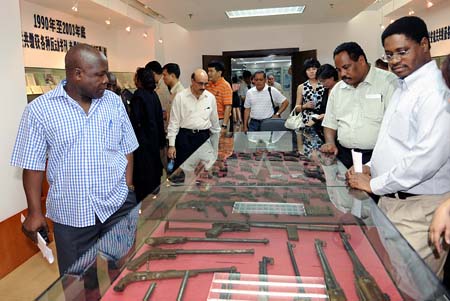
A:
167,274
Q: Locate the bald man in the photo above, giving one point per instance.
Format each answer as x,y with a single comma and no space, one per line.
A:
192,117
84,132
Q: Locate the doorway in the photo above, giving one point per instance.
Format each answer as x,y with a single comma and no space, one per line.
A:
293,55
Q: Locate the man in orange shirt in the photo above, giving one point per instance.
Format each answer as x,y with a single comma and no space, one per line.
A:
221,89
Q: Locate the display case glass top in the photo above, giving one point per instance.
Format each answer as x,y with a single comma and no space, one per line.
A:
272,189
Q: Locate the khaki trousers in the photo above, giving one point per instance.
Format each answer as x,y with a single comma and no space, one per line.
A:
412,218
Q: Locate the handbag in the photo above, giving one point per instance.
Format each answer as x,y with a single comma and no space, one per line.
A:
294,121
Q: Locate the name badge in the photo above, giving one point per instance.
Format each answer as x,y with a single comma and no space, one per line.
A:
373,96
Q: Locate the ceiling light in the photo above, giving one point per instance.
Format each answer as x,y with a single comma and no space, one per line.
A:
260,12
108,21
75,6
145,35
160,41
382,26
411,12
392,21
128,28
429,4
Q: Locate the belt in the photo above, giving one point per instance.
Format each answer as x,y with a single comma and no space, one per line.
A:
400,195
259,120
194,131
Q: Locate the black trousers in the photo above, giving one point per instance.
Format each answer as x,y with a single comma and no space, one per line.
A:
187,142
345,155
73,242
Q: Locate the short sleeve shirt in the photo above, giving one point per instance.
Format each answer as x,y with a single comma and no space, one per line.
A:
223,93
86,154
356,113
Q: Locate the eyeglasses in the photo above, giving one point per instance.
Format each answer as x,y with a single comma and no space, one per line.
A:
397,55
200,83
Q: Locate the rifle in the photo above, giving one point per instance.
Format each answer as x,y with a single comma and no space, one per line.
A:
201,205
366,286
171,240
219,228
157,254
167,274
291,247
292,229
149,292
334,290
263,274
315,174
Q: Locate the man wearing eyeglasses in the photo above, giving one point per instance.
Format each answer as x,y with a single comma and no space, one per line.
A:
192,117
410,166
356,104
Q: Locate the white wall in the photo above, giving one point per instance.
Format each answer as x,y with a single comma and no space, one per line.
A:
187,48
438,17
126,51
12,85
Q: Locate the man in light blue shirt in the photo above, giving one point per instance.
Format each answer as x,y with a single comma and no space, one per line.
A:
84,132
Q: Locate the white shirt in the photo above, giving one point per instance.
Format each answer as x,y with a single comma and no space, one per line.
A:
243,88
356,113
260,104
188,112
413,147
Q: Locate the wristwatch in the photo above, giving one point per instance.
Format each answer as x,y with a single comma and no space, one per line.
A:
131,188
277,113
224,126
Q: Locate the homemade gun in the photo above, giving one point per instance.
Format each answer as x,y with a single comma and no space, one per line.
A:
335,292
157,254
291,247
219,228
171,240
201,205
263,275
168,274
366,286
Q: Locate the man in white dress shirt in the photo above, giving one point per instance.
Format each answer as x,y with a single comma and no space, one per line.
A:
193,116
260,103
410,166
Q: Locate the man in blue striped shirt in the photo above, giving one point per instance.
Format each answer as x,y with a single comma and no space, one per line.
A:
85,134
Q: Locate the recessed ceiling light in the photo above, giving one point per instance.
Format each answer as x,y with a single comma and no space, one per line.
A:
261,12
75,6
429,4
128,28
108,21
411,12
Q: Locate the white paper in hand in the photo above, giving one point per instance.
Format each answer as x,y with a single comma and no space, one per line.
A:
42,245
357,161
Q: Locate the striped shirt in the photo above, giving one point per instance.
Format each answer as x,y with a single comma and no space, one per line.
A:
260,104
86,154
223,93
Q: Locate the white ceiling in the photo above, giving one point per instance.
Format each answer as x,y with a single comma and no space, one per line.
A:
210,14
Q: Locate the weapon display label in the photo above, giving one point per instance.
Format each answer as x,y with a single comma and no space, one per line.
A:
269,208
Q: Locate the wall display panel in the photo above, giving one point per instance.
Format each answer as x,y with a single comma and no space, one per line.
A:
42,80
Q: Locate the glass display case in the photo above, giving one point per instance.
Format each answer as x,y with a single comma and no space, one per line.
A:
258,207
